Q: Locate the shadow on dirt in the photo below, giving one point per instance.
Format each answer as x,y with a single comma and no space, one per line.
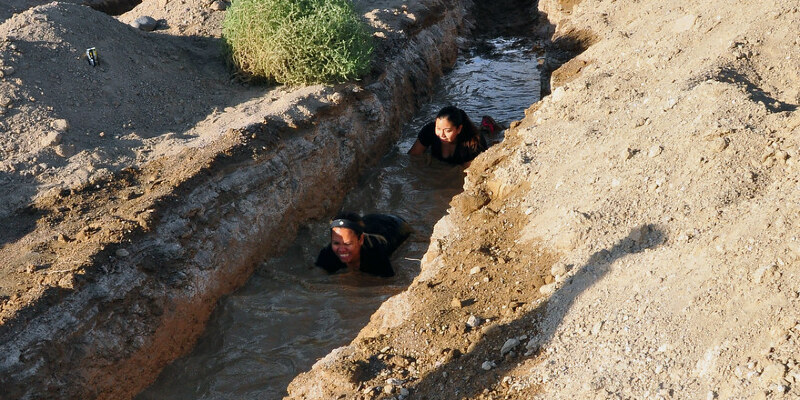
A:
772,104
540,323
17,223
504,18
113,7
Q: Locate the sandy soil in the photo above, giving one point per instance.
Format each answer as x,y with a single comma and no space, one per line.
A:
635,236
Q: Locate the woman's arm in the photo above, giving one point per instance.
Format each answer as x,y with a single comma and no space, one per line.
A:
417,149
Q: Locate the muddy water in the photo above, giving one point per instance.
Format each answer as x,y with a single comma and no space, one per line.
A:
290,313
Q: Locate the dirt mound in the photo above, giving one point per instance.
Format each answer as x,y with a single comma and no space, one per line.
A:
71,122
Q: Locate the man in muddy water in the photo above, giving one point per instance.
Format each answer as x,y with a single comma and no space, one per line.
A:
363,244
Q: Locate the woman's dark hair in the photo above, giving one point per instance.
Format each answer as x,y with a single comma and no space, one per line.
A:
469,136
349,220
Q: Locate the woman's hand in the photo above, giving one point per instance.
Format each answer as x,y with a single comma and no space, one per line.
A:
417,149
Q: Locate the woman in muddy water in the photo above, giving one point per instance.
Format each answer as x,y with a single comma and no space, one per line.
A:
364,243
452,137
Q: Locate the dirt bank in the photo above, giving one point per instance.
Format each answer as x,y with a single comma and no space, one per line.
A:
140,190
635,236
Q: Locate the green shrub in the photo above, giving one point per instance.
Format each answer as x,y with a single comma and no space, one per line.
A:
297,41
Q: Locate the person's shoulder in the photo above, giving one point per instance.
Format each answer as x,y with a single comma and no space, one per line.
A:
427,134
375,259
328,261
428,129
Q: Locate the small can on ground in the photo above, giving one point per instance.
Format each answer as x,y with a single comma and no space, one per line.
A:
91,56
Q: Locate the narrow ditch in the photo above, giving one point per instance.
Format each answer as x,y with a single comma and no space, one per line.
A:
290,313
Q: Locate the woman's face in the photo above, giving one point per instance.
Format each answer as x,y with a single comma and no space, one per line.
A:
346,244
446,131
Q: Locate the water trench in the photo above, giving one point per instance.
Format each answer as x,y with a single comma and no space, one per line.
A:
291,313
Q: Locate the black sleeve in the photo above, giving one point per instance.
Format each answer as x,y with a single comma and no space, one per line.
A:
375,261
427,134
395,229
328,261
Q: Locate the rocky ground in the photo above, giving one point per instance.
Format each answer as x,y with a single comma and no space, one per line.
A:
635,236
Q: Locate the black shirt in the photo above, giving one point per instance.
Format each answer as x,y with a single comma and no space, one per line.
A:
464,152
383,234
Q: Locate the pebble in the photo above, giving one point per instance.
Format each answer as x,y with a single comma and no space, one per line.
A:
404,391
719,144
473,321
654,151
67,282
558,269
52,138
597,327
83,235
60,125
456,303
773,373
122,253
777,388
65,151
475,270
394,382
487,365
218,5
764,272
509,345
548,289
558,94
145,23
